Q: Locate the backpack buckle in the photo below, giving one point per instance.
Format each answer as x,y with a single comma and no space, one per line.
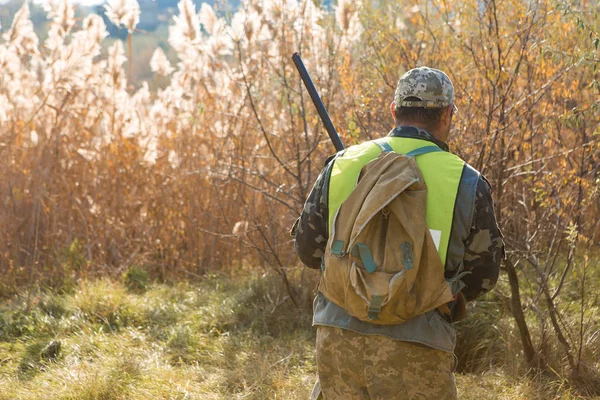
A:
375,307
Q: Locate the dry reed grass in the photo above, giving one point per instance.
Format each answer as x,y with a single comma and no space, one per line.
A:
207,174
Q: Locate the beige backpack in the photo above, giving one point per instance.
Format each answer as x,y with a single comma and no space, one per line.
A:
381,264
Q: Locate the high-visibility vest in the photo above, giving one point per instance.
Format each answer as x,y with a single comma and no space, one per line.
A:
441,170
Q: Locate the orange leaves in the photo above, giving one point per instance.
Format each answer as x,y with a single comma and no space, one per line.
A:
233,137
516,72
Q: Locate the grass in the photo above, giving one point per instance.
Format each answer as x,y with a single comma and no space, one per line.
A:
222,338
218,339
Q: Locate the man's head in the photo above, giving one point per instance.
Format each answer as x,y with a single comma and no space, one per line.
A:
425,98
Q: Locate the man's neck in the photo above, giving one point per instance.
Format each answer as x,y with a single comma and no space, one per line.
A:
434,131
408,131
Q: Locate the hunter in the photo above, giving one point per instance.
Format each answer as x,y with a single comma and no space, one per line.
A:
368,345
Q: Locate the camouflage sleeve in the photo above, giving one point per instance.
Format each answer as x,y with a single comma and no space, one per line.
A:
484,248
310,230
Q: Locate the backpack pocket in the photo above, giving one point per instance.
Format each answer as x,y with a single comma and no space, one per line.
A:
380,296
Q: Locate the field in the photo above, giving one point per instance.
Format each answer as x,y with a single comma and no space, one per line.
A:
221,338
149,183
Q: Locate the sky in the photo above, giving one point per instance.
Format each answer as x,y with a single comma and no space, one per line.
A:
83,2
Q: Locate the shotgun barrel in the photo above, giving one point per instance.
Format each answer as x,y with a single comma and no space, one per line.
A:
310,87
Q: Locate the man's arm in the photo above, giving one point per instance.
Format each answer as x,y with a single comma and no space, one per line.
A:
484,248
310,230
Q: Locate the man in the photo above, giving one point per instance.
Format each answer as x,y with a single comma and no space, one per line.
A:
357,359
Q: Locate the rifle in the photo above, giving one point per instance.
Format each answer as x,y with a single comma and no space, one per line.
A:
310,87
335,138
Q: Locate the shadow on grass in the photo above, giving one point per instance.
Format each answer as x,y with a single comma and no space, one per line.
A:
265,308
480,343
37,357
232,322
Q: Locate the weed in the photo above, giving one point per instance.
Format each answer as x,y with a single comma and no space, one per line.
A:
105,304
136,279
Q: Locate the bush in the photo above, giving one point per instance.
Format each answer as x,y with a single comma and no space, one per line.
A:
136,279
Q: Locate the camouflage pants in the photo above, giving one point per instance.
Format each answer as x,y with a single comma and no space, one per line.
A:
354,366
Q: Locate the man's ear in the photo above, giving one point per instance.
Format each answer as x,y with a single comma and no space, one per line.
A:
447,115
393,109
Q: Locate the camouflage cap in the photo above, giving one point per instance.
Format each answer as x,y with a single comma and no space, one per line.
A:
431,86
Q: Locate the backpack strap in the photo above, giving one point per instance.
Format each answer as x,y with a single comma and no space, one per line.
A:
383,145
337,249
423,150
362,251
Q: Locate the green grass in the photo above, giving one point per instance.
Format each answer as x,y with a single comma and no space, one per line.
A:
222,338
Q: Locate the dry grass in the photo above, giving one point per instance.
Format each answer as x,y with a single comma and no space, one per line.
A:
497,385
221,338
206,169
218,339
207,174
118,176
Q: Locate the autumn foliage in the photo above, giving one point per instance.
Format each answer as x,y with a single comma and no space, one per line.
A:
206,167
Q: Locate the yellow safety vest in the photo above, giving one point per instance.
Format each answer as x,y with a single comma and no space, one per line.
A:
441,170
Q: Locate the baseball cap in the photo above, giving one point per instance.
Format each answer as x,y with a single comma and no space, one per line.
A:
431,86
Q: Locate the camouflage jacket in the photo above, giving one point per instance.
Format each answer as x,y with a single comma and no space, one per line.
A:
477,251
